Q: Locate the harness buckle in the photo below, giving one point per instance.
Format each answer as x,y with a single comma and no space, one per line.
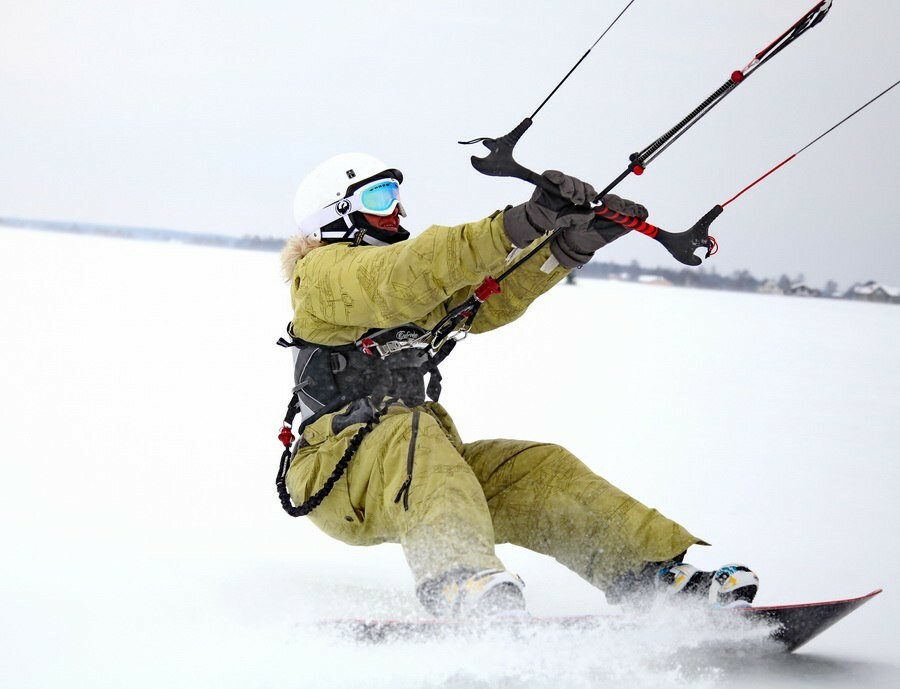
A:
391,347
370,347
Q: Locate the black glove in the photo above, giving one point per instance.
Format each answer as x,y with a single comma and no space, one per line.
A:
584,234
528,221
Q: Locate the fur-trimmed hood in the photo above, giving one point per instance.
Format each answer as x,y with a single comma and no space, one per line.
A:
294,249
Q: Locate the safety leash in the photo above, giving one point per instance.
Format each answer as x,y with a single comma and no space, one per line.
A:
286,436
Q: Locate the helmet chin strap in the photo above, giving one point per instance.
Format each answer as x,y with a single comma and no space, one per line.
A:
356,234
362,237
360,231
357,238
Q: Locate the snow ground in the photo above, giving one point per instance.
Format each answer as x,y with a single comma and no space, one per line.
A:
144,545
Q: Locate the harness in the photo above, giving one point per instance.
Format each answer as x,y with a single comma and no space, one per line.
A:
383,367
383,363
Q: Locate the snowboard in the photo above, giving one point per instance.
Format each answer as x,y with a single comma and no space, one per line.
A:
791,625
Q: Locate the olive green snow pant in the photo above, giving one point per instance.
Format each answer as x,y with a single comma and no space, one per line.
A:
414,482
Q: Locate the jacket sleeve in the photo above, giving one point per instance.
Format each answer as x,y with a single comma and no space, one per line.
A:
366,287
521,287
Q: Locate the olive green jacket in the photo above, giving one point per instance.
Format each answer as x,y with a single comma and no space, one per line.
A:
339,291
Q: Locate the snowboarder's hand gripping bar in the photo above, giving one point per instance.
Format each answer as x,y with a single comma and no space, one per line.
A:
560,206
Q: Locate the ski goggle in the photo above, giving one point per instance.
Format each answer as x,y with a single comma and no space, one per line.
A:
380,197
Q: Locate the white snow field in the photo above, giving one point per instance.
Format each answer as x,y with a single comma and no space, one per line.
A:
143,544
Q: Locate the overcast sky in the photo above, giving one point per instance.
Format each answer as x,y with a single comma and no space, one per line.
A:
204,116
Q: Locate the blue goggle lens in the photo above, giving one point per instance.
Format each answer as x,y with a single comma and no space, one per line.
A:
381,196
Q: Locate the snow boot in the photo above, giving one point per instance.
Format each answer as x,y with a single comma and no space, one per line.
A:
727,587
489,593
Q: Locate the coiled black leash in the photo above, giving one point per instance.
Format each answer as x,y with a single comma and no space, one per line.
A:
287,437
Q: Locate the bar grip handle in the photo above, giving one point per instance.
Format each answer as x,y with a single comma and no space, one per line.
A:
628,221
681,245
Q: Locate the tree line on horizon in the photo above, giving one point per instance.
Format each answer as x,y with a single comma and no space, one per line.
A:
738,281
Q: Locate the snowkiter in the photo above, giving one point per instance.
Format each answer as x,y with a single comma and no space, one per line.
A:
365,297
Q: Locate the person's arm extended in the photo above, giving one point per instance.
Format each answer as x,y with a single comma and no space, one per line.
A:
371,287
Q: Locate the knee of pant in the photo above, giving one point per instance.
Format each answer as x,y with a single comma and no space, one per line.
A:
500,463
549,456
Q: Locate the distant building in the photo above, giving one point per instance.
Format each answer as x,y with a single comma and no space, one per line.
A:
873,291
770,287
653,280
801,289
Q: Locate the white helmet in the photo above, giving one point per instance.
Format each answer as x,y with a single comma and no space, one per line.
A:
326,205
